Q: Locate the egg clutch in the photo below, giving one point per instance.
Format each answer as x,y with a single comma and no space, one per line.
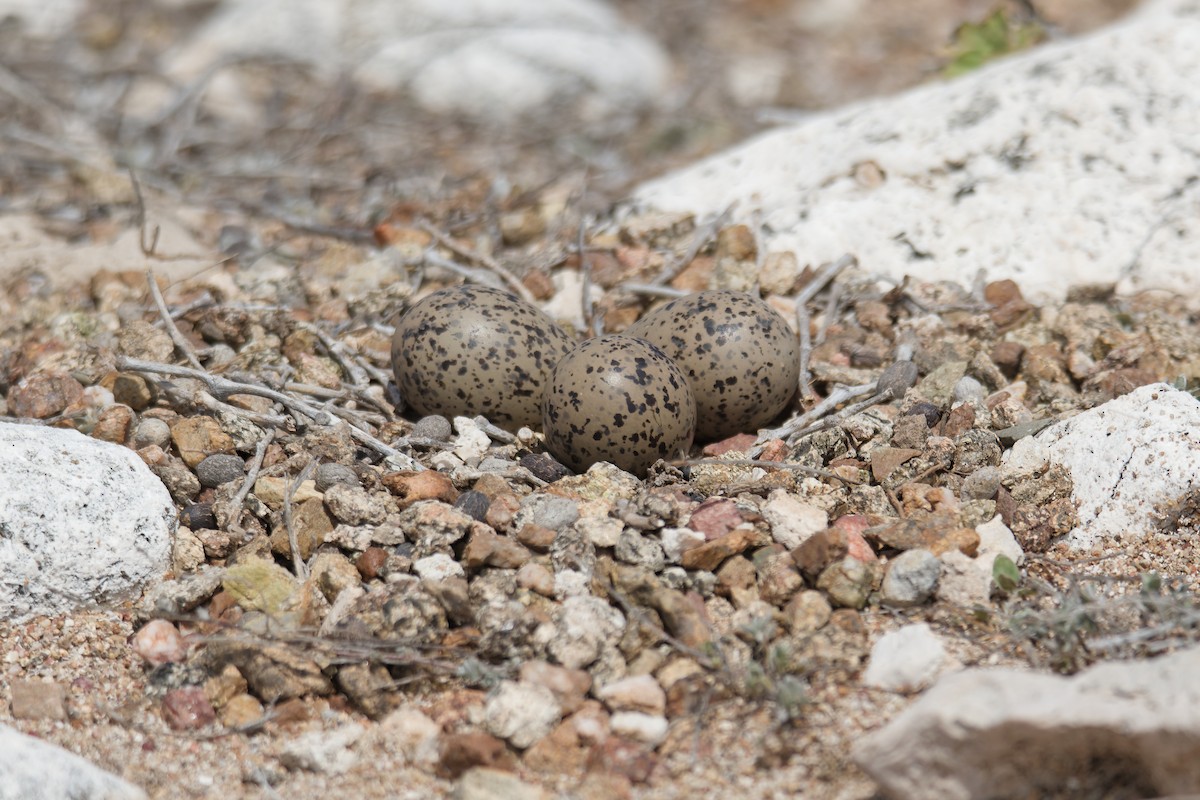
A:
701,368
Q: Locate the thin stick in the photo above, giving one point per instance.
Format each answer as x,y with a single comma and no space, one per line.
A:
839,395
222,388
591,321
654,291
803,322
298,565
181,344
490,263
260,452
701,237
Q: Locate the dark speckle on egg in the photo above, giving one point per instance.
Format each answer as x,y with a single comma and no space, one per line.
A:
742,359
619,400
470,350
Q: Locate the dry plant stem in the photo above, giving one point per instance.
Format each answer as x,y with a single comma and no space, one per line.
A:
701,237
181,344
263,420
838,418
832,306
337,351
650,290
223,388
260,452
803,323
298,565
490,263
816,472
472,274
839,395
591,321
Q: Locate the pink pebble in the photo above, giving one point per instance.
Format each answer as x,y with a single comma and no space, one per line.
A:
159,642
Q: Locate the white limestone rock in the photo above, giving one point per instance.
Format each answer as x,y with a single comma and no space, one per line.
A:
1010,733
82,522
490,60
1070,164
906,660
1127,458
31,769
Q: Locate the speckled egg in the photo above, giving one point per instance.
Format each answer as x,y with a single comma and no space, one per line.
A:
620,400
470,350
740,356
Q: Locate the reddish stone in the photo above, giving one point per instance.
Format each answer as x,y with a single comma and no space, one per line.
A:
44,395
829,546
459,752
739,443
622,757
709,555
960,420
535,537
411,487
715,517
774,450
371,562
1007,356
187,709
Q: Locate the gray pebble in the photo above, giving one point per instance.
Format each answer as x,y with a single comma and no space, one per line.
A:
435,427
546,510
634,548
330,474
544,466
220,468
968,389
911,578
982,484
899,377
474,504
198,516
151,431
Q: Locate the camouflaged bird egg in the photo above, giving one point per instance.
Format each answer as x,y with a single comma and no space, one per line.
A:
619,400
740,356
470,350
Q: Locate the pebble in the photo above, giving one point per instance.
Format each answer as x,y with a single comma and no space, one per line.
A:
601,531
637,693
327,752
634,548
198,516
472,442
982,484
474,504
898,378
354,506
159,642
220,468
545,467
649,729
521,713
849,581
438,567
151,431
411,732
187,709
240,711
792,521
330,474
434,427
675,541
911,578
44,395
484,783
569,686
906,660
586,625
38,699
807,612
969,389
963,582
546,511
536,578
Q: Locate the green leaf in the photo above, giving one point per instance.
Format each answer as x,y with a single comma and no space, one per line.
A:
1005,573
975,44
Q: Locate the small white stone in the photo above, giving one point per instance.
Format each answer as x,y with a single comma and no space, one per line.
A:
521,714
571,583
438,567
635,693
601,531
413,734
472,443
963,581
676,541
322,751
648,728
996,539
159,642
906,660
792,521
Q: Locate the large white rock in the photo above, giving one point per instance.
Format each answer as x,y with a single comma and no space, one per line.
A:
31,769
1127,458
493,60
986,733
1073,163
82,522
